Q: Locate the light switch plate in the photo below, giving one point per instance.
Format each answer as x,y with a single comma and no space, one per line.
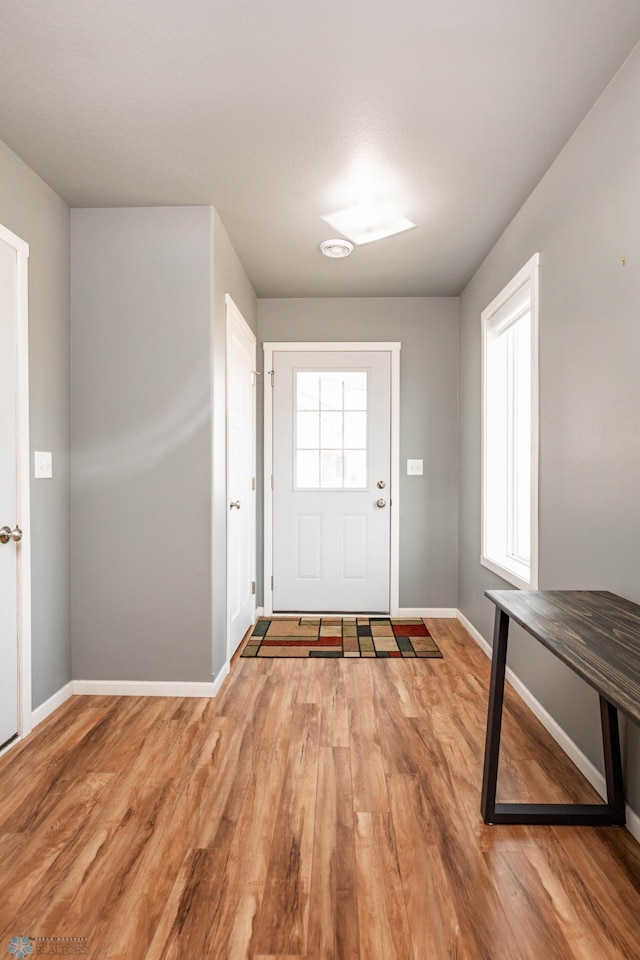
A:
43,469
414,468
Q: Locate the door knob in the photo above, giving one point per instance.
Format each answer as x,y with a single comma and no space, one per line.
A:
381,484
6,534
381,503
234,503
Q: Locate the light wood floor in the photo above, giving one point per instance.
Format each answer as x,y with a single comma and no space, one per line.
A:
317,808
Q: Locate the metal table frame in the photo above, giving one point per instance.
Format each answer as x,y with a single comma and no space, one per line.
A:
611,812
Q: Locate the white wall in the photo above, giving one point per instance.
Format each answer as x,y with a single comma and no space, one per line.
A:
583,217
141,508
428,330
149,472
30,209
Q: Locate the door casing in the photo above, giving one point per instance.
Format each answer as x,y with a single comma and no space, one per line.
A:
23,508
233,315
316,347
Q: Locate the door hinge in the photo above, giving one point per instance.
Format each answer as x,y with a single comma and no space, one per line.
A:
253,483
272,481
272,583
271,375
253,588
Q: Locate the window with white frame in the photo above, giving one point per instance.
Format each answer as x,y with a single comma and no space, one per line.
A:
331,430
510,430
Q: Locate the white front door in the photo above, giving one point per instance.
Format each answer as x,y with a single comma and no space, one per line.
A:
241,446
331,481
8,495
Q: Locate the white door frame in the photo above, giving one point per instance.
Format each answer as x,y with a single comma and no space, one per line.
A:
233,315
394,493
23,505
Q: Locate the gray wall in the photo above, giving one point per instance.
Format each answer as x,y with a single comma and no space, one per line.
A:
141,429
428,330
583,217
228,277
29,208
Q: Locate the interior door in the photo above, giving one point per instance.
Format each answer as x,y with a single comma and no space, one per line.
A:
331,481
241,445
8,496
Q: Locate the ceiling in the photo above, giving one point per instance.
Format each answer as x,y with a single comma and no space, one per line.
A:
280,111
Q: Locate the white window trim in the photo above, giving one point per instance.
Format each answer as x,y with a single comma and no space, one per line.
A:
528,274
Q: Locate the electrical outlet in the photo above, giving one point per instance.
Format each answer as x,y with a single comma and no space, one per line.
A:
414,468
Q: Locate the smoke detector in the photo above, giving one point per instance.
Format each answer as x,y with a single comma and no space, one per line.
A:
336,248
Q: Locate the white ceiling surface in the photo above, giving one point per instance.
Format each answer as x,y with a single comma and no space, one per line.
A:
280,111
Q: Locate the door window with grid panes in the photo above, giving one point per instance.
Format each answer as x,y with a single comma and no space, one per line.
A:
330,430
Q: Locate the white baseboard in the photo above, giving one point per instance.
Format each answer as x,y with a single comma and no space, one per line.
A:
220,677
259,612
582,762
123,688
444,613
477,636
449,613
55,700
151,688
10,746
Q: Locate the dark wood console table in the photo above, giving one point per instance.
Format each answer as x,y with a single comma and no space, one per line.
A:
595,633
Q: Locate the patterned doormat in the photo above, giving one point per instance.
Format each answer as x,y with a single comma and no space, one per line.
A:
340,637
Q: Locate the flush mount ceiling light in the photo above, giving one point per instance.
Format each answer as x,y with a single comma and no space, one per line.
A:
336,248
368,221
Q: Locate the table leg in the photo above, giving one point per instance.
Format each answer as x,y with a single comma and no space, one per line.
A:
571,814
612,761
494,719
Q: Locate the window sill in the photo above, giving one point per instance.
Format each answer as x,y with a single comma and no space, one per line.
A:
509,575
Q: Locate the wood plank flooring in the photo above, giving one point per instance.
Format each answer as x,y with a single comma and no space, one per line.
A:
320,809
